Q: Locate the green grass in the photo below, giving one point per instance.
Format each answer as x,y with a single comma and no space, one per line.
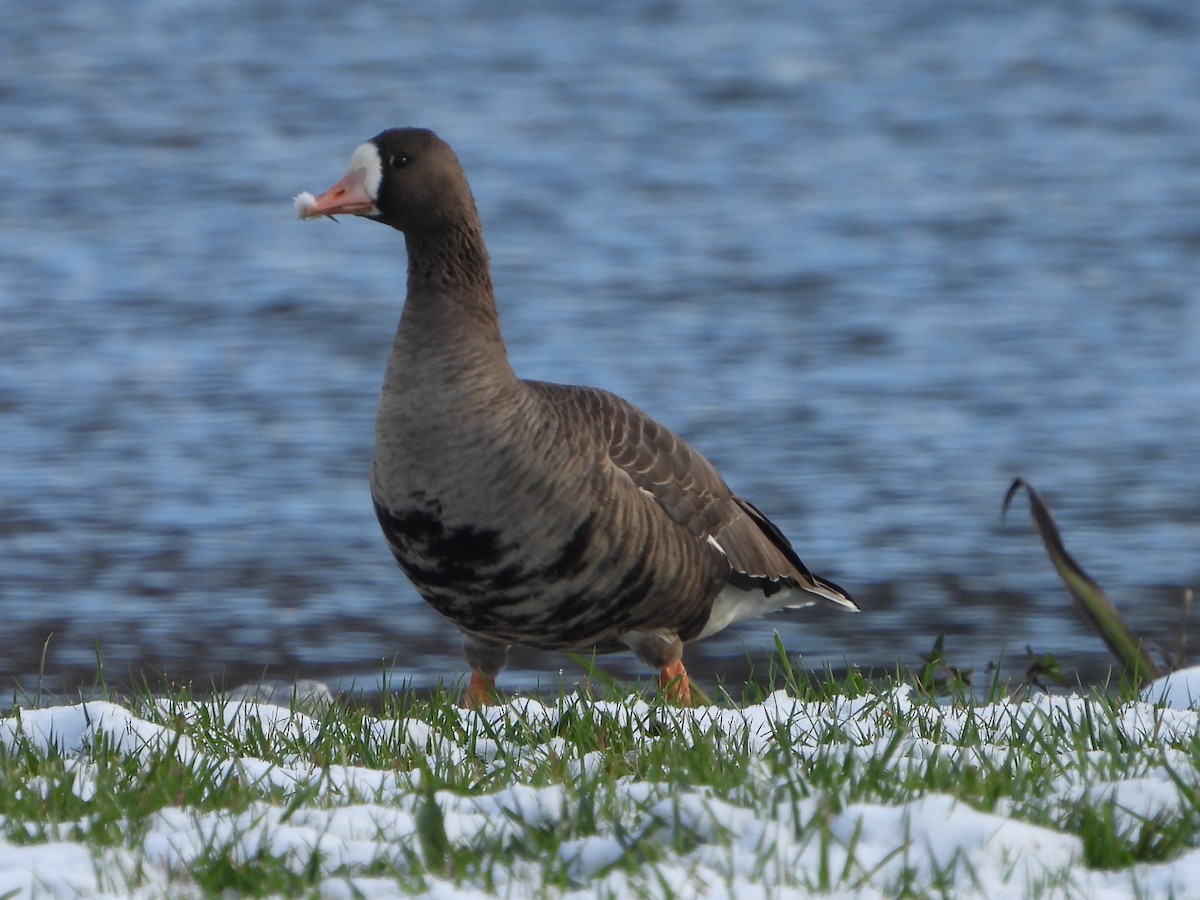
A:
662,789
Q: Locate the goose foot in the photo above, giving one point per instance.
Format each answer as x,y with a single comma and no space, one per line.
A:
480,692
673,682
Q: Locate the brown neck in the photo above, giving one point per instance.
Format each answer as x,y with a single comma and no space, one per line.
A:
450,317
449,258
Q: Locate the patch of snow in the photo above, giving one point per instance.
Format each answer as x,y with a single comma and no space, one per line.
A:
1177,690
341,820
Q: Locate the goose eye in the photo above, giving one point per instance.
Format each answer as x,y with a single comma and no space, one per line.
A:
398,161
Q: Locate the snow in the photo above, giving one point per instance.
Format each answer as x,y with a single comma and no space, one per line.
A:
1178,690
349,819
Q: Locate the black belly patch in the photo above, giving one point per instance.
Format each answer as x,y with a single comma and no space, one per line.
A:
478,580
436,556
573,557
420,528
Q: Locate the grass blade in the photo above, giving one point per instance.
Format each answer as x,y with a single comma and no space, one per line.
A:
1089,598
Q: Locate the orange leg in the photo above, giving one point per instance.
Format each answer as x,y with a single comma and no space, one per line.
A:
479,693
673,681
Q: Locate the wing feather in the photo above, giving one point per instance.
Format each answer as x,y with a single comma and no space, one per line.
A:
685,486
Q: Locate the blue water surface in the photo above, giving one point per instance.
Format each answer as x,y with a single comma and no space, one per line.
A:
873,259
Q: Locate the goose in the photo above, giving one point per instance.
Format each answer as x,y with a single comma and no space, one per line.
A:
546,515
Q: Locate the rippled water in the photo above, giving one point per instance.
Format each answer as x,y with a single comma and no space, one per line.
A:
873,259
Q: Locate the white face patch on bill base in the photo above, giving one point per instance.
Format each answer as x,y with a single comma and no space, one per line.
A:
366,159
